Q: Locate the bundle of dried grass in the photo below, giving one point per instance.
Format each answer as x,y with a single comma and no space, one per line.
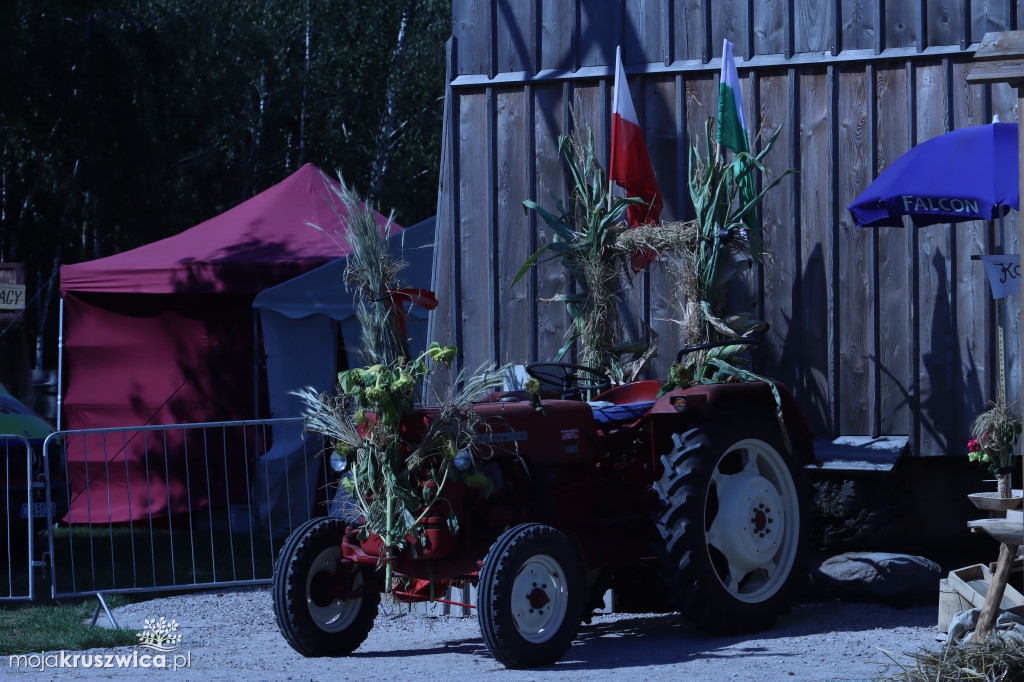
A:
997,660
373,275
362,420
672,237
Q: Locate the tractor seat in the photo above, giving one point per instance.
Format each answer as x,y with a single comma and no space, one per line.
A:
609,415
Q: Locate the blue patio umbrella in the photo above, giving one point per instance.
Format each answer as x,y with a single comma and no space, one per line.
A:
966,174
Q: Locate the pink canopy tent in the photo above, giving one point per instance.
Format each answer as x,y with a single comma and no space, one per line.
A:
163,334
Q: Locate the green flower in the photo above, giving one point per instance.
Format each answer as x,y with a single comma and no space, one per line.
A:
404,383
442,354
532,386
377,395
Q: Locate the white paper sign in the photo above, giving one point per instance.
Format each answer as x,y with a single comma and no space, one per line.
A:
1003,274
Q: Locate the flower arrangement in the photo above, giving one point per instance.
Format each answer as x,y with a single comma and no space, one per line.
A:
363,418
994,436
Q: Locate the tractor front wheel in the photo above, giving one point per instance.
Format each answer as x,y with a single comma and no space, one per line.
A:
730,524
320,603
530,596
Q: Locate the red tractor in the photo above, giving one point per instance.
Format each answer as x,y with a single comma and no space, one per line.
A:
701,484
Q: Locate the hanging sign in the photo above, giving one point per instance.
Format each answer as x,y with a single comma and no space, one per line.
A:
12,296
1003,274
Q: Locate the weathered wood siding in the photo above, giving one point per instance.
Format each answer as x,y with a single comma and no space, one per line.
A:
888,331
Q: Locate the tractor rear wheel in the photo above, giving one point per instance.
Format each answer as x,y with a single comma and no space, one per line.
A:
730,523
530,596
314,620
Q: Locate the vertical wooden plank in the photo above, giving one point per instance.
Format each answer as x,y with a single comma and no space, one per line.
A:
728,20
494,236
514,238
855,255
551,276
945,22
858,24
1004,104
440,326
814,322
513,36
894,263
599,21
935,379
471,26
976,377
914,291
558,22
776,358
991,15
588,107
475,222
770,24
813,25
688,31
900,23
646,27
683,205
660,135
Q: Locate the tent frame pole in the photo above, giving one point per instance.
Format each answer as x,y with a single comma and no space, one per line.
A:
255,364
60,362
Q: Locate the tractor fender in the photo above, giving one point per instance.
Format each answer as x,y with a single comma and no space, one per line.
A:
705,401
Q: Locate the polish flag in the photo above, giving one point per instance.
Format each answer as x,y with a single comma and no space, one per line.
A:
630,164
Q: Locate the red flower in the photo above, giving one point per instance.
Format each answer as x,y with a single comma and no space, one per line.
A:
973,445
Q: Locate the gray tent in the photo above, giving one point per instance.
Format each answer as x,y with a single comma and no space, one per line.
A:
310,333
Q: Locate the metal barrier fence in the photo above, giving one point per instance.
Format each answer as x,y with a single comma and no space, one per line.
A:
160,508
19,469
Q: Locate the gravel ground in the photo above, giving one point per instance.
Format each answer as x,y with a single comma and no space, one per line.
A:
232,636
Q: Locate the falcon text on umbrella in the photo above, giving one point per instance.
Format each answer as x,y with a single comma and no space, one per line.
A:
928,204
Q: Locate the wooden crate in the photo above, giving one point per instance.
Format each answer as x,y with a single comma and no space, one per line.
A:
965,588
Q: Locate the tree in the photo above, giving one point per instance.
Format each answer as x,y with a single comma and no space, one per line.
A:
123,122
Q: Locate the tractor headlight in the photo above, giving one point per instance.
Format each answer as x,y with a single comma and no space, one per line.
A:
339,462
463,460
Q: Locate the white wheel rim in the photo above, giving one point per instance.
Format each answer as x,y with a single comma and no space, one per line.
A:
338,614
540,597
756,525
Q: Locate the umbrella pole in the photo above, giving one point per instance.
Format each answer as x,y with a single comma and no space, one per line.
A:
1001,322
1001,340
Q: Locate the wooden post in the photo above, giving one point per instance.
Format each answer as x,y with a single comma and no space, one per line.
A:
1000,59
994,597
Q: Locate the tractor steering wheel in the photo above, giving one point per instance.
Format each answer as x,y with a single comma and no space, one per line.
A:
562,375
717,344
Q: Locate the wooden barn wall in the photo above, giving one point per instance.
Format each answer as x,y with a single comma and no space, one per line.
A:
878,331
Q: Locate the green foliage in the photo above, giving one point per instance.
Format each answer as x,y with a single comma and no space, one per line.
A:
714,184
364,419
584,232
35,628
722,251
388,391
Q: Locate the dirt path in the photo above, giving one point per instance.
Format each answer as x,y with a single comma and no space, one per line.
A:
232,636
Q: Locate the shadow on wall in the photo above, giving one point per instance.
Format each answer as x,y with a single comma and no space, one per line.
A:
940,399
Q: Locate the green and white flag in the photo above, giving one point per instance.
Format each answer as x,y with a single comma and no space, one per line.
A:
732,133
732,126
